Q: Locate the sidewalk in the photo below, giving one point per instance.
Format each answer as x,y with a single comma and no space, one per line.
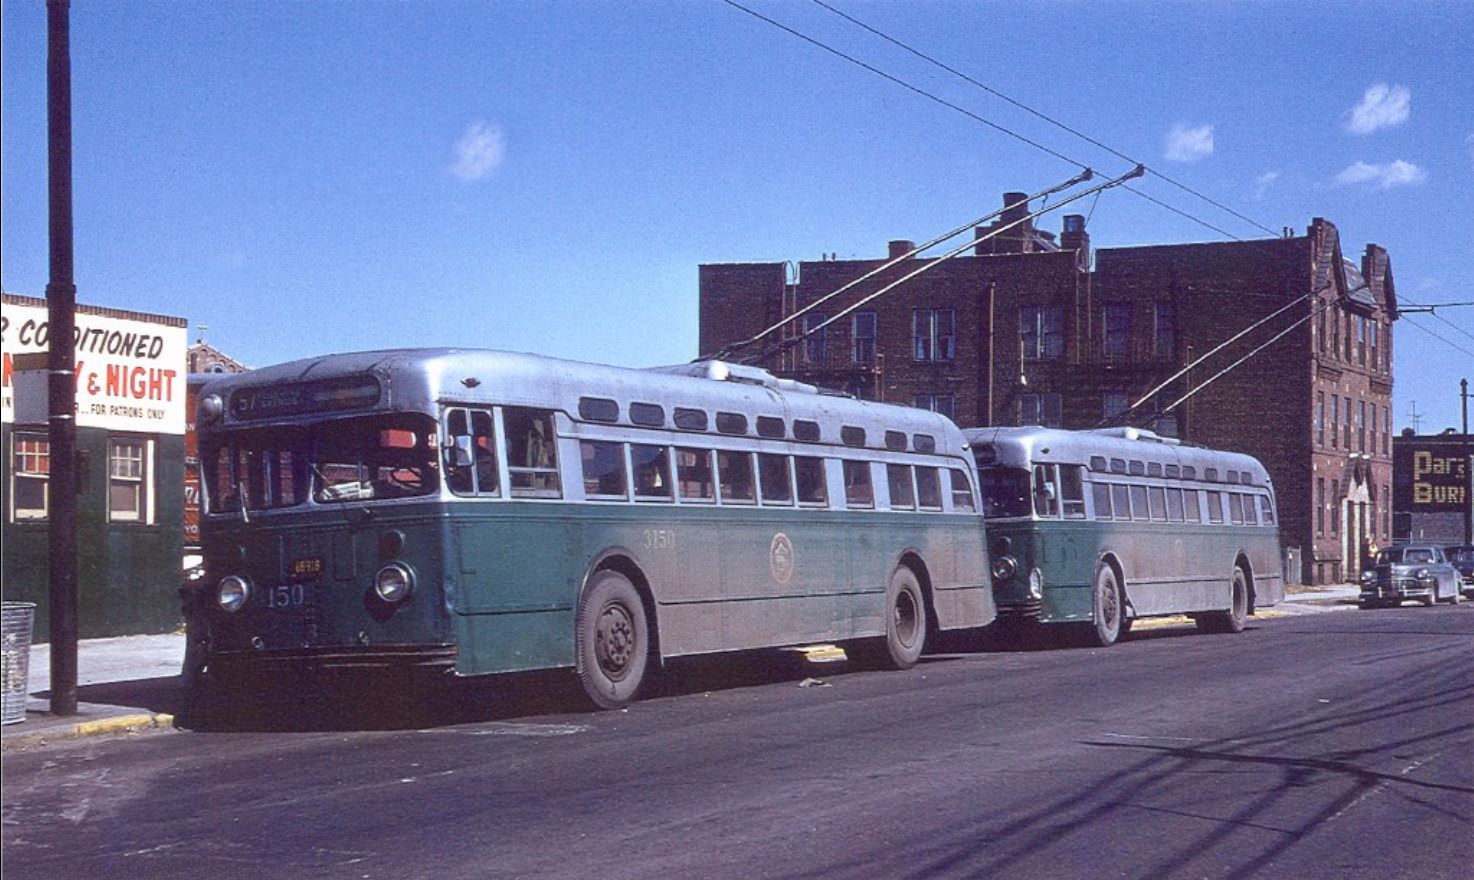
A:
132,683
124,684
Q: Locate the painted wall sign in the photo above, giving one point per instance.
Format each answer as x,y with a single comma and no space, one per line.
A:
130,370
1431,475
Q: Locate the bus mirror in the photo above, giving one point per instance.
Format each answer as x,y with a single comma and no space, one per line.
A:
462,450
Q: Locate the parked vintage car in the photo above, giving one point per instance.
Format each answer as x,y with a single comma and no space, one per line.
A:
1462,557
1410,571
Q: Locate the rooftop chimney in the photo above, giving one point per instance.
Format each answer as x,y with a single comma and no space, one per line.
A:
900,247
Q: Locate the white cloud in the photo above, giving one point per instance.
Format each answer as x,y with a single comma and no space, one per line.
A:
1263,182
1189,144
1380,107
1385,176
479,151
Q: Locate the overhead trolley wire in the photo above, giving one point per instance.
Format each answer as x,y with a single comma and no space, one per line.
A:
932,264
728,350
1052,121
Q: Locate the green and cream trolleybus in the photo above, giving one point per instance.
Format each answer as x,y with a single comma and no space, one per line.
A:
1099,528
478,512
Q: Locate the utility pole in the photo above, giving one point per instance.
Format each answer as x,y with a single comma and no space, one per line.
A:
61,310
1468,465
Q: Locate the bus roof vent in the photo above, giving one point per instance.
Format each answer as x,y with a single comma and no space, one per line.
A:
724,371
1128,433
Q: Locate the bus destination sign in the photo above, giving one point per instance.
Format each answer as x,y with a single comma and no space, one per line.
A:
334,395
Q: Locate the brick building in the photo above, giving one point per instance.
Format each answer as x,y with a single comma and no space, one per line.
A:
1030,328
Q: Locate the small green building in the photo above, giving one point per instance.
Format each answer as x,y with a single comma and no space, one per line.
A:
131,389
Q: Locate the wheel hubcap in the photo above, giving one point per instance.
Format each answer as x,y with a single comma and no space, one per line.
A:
614,640
905,619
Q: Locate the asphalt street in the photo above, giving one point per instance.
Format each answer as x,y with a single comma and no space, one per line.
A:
1321,746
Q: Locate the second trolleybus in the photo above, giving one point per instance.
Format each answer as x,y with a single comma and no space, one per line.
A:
1099,528
478,512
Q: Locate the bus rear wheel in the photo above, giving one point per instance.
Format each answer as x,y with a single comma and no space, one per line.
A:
612,640
1237,616
905,620
1108,611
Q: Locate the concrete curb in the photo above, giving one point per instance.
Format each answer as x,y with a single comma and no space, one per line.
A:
119,724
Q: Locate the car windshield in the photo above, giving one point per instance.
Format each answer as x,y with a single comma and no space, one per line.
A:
1406,556
1005,491
360,459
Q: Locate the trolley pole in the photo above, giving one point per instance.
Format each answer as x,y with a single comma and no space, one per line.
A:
61,310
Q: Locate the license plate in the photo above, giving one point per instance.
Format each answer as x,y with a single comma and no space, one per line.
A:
305,568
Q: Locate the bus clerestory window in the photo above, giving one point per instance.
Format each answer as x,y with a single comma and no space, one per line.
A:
771,427
735,477
470,452
598,409
690,419
895,441
693,474
812,486
532,453
651,467
731,423
924,443
773,477
928,488
903,495
858,490
603,469
961,490
806,430
851,435
1072,491
649,415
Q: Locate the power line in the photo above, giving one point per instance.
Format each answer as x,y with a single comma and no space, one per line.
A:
1443,339
1432,310
1051,120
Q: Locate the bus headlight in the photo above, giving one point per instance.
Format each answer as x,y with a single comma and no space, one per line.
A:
232,593
1004,568
1036,584
394,582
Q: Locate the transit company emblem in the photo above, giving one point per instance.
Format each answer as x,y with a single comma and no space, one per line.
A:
780,558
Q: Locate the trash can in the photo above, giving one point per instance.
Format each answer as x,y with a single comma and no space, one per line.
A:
19,618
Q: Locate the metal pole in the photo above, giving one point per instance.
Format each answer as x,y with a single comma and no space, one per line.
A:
1468,465
61,308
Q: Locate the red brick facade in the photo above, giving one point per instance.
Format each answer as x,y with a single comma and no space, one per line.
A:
1023,331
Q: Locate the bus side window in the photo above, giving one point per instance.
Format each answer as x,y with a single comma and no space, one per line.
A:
532,456
812,488
1266,510
961,490
1139,508
1215,506
734,476
777,486
603,469
1045,501
1236,508
928,488
903,495
652,472
858,491
693,474
1158,498
1192,505
1100,493
1174,504
1072,491
1120,501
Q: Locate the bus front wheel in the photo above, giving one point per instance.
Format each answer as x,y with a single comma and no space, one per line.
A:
613,640
905,621
1108,609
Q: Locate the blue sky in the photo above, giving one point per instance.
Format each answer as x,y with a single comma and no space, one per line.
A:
304,177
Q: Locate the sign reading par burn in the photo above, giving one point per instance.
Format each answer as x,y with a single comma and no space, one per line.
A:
1431,474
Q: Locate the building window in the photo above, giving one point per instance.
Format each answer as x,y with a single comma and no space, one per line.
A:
815,349
946,404
1040,409
1361,340
1320,506
1336,333
1041,329
1320,418
863,338
1324,335
127,490
1166,336
1387,429
31,476
1114,403
1335,507
1372,333
934,334
1116,329
1348,425
1361,426
1335,419
1372,427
